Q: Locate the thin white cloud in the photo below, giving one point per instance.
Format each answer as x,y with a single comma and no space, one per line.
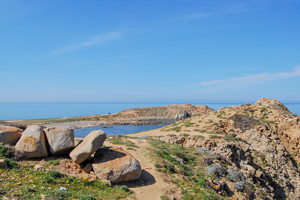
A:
94,41
253,79
211,82
217,11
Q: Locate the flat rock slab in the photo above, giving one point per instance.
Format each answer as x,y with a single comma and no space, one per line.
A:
91,143
116,165
33,142
9,134
60,140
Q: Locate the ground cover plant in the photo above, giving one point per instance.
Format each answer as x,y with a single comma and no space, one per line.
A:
123,141
21,181
186,168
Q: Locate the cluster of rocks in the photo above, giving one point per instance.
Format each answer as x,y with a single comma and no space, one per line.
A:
113,165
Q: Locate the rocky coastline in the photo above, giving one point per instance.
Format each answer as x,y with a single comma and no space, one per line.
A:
249,151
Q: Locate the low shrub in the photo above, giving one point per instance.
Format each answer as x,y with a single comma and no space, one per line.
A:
55,174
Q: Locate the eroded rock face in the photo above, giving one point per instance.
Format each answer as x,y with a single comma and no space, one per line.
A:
91,143
9,134
116,165
33,142
259,155
60,140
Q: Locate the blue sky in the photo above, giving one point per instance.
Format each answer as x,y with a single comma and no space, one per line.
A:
149,51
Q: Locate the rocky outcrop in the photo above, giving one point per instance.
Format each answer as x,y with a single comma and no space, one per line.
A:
60,140
265,102
116,165
33,142
9,134
3,164
258,145
171,112
91,143
258,156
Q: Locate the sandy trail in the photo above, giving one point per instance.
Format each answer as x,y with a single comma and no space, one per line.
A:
152,184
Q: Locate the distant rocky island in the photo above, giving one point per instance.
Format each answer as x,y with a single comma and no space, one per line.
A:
249,151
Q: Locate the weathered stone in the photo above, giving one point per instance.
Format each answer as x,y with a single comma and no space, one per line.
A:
250,169
3,164
33,142
9,134
91,143
60,140
116,165
88,168
38,167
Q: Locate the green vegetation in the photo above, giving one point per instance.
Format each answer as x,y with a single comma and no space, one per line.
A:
53,162
209,121
172,135
179,162
215,124
214,136
122,141
228,138
201,131
177,129
164,198
189,124
23,182
198,136
263,110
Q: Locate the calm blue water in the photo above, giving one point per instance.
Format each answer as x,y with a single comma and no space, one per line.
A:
18,111
116,129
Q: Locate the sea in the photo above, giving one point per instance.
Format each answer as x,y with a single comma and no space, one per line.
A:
34,110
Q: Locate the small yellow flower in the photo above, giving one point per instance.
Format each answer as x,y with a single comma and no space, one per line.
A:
67,181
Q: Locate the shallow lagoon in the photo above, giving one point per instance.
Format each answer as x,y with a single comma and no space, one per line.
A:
116,129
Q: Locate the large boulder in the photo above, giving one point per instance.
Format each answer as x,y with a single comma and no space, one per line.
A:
60,140
116,165
9,134
33,142
91,143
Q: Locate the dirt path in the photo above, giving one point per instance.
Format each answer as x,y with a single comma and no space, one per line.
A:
152,184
